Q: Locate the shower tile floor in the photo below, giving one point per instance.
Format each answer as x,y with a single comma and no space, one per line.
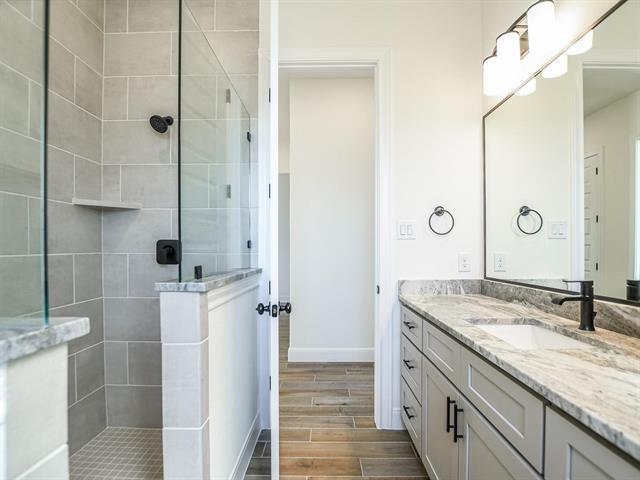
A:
120,453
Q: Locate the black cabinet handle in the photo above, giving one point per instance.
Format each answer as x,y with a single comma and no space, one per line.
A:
456,435
410,325
408,364
406,410
449,403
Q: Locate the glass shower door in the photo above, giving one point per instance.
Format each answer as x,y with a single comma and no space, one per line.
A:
23,43
215,161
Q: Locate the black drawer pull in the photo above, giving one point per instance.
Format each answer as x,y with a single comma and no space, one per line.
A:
449,403
410,325
406,410
409,365
456,435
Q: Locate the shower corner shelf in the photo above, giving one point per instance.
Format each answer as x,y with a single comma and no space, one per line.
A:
106,204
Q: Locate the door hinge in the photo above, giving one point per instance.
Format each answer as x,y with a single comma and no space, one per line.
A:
597,171
597,218
249,244
249,137
269,287
269,382
269,190
597,266
378,289
228,95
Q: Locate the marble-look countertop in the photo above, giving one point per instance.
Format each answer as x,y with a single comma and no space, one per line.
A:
599,386
18,339
209,283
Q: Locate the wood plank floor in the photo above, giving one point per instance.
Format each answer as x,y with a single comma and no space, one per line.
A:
327,429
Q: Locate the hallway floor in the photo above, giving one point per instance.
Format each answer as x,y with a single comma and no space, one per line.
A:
327,428
120,453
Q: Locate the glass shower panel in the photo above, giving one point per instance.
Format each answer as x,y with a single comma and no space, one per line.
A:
215,159
23,43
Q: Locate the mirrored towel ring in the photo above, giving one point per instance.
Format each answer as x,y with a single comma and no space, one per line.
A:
439,212
524,212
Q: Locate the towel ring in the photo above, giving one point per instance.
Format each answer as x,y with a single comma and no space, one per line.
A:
524,212
438,212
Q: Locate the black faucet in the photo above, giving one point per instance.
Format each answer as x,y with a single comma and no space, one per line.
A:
587,296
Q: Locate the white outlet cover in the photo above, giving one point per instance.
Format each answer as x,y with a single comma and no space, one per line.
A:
499,262
464,262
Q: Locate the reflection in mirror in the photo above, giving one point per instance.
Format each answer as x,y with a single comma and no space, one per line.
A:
562,171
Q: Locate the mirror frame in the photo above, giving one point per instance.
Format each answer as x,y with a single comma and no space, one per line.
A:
484,167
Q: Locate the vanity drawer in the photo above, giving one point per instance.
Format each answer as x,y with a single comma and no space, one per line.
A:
411,408
412,326
411,360
442,350
515,412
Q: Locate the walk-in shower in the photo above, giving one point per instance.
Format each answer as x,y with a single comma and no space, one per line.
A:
141,136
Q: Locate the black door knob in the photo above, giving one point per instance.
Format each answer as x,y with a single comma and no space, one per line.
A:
262,309
285,307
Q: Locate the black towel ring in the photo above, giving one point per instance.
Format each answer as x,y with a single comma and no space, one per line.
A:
524,212
438,212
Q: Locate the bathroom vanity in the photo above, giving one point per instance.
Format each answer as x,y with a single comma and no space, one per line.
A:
498,390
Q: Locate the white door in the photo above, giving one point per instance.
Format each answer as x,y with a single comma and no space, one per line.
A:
593,175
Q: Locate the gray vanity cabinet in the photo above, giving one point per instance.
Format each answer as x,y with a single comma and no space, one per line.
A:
484,454
439,451
572,454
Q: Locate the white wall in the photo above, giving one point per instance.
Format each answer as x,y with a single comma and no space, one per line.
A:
574,17
332,219
613,129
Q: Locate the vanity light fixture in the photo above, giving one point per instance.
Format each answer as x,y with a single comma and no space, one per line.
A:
508,52
492,76
559,67
583,45
541,22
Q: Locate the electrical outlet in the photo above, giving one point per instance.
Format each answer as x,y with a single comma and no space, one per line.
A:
499,262
557,230
464,262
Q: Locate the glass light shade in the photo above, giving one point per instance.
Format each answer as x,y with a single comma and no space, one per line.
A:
528,89
492,76
541,20
583,45
558,68
508,47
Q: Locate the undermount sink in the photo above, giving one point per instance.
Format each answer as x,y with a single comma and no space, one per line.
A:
531,337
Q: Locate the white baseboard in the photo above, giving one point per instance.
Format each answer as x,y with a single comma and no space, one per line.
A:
331,355
242,463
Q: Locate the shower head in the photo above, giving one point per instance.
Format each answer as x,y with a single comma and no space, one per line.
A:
161,124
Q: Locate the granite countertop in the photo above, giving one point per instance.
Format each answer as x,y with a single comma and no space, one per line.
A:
599,386
209,283
18,340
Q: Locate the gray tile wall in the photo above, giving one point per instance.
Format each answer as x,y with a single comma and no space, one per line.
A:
75,170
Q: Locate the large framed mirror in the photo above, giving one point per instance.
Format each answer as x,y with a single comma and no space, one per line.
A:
562,170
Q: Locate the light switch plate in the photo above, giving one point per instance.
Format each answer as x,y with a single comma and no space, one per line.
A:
499,262
464,262
407,230
558,230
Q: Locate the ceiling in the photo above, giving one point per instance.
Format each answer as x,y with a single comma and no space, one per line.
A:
604,86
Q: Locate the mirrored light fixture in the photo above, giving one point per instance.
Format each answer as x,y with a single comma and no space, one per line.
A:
559,67
508,51
541,22
491,76
583,45
528,89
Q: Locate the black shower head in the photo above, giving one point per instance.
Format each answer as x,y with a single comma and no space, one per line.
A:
161,124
